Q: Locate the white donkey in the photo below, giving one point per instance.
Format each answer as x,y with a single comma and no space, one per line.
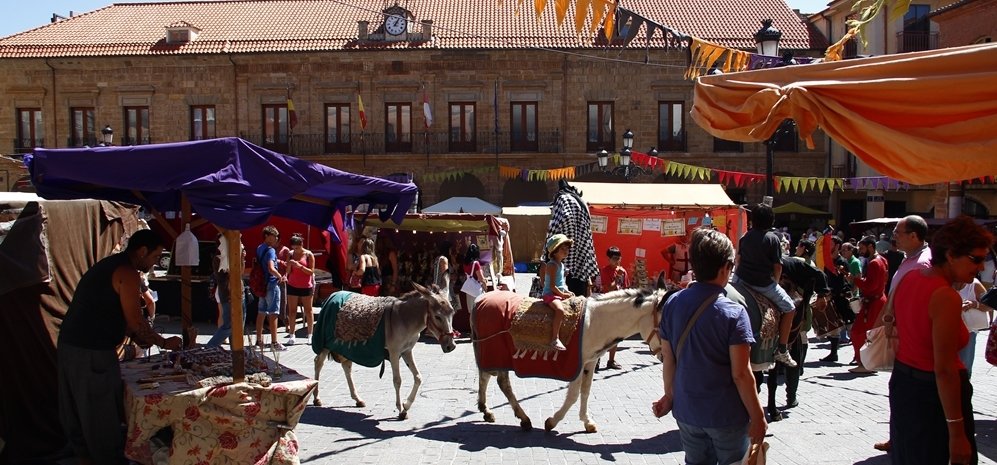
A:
404,320
609,318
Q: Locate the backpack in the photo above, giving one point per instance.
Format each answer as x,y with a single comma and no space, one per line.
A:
257,281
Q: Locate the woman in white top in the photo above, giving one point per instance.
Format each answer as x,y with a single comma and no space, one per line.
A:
970,294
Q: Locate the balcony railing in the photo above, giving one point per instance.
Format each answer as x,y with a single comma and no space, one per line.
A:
135,140
22,146
435,142
916,41
89,141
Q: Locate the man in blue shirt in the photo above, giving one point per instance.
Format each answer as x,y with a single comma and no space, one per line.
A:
715,402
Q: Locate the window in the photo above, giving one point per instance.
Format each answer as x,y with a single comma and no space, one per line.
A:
30,130
136,126
275,130
398,127
600,127
202,122
462,127
916,19
83,126
721,145
524,127
671,126
337,128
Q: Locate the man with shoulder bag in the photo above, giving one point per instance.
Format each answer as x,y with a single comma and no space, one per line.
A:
711,388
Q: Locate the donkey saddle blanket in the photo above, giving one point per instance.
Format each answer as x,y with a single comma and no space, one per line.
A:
352,325
512,332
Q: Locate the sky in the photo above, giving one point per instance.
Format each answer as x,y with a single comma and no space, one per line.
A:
34,13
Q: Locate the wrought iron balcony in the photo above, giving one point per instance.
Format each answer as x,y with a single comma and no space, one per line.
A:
23,146
916,41
435,142
674,143
88,141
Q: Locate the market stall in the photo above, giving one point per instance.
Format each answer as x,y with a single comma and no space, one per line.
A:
643,220
45,248
229,183
530,224
418,240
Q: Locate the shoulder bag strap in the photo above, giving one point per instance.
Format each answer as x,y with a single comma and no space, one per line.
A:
688,326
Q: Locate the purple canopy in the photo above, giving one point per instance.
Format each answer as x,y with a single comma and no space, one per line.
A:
229,182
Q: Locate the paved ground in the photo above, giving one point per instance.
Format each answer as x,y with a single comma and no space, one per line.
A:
839,417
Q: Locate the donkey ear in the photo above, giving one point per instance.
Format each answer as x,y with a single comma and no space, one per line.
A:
420,288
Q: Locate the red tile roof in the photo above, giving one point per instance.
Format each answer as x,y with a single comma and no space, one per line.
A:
253,26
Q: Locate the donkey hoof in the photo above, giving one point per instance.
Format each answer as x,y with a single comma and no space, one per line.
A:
526,425
361,403
490,417
403,415
590,427
549,424
317,402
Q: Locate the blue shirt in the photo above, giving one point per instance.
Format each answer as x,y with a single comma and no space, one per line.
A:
268,256
558,278
703,388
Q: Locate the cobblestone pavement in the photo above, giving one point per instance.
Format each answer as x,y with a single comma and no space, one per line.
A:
839,418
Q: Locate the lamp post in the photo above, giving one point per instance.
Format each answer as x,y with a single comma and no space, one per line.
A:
767,38
628,143
603,157
106,136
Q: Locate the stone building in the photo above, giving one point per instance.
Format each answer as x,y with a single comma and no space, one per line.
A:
503,87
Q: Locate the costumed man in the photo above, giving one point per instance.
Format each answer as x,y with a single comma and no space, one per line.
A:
677,256
570,216
104,309
872,285
835,270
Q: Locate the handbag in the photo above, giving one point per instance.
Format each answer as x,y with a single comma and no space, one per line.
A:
880,349
976,319
472,287
536,289
991,352
755,455
681,342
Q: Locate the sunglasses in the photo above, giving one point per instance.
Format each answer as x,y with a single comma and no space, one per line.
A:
976,259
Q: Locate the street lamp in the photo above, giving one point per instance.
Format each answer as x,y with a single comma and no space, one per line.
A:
106,135
767,39
786,127
653,152
603,157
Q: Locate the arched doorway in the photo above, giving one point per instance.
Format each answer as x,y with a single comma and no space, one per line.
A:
519,192
467,185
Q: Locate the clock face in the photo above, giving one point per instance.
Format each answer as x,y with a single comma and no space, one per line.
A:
394,24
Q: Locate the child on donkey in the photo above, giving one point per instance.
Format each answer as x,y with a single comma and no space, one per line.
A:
555,289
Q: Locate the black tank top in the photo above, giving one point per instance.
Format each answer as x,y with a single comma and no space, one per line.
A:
95,319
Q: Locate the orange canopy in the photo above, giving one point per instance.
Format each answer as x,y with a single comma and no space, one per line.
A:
921,117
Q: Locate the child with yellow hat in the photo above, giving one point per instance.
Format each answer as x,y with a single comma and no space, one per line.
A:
555,289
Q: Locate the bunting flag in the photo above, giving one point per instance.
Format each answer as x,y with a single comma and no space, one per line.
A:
292,116
426,111
363,114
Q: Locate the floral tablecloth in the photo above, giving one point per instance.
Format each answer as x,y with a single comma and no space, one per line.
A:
235,424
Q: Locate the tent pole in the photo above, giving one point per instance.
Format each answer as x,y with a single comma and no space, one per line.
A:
185,277
235,266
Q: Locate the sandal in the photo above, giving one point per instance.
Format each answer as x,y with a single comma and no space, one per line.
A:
612,365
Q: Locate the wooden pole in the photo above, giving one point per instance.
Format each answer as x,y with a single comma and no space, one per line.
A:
185,278
235,265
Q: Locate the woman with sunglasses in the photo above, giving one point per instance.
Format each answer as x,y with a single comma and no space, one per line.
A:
931,413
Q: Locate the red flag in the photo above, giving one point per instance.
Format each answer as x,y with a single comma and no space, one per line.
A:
363,114
292,116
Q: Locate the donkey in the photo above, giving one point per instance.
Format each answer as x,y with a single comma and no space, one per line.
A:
609,318
403,321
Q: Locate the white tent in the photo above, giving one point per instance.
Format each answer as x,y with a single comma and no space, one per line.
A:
464,205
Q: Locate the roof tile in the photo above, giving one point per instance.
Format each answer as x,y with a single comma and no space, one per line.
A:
250,26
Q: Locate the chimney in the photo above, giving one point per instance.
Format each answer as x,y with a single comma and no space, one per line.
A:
427,29
362,29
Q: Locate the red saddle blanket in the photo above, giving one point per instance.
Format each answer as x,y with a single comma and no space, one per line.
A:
501,323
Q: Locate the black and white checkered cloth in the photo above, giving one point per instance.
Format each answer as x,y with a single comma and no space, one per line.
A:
570,216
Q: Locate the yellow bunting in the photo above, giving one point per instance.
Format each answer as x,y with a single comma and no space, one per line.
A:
784,183
581,11
540,5
561,9
811,183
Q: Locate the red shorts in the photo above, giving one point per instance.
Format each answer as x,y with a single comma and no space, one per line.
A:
373,290
550,298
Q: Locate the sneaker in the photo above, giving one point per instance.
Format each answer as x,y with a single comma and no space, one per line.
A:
290,340
279,347
785,359
792,402
557,345
830,358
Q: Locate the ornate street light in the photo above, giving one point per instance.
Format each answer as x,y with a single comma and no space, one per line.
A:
603,157
625,157
653,152
106,135
767,39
